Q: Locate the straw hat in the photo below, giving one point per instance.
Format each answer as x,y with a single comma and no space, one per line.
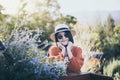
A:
60,28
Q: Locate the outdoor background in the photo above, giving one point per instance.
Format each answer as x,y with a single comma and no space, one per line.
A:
25,27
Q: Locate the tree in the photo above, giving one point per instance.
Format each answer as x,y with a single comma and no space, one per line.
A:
109,26
45,16
2,20
67,19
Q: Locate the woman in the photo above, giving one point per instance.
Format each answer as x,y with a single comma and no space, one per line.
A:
65,47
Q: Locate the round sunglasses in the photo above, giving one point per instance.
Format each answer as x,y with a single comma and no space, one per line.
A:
59,36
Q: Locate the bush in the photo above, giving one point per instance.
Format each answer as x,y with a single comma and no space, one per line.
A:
112,69
26,63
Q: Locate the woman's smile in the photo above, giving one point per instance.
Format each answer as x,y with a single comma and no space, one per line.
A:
64,42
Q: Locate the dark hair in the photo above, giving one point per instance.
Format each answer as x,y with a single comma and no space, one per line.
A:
69,34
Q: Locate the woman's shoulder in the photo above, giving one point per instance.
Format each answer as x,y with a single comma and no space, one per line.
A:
77,47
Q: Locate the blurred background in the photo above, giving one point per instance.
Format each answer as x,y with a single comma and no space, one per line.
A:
25,27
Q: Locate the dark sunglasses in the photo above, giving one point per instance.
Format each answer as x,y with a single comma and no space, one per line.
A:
59,36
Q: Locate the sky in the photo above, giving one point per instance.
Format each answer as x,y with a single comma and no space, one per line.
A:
74,6
70,6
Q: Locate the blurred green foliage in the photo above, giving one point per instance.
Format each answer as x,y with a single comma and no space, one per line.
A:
45,18
101,38
113,69
22,60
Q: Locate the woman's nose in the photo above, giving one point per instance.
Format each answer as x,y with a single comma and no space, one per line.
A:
64,37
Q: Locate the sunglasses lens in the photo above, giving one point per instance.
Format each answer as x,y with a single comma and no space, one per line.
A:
66,35
59,36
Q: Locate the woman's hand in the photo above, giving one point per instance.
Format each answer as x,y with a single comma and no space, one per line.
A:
62,48
70,45
69,48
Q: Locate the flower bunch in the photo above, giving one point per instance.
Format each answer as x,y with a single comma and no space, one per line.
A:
27,62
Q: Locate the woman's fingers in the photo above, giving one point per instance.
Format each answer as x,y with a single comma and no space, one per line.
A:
60,45
62,48
70,44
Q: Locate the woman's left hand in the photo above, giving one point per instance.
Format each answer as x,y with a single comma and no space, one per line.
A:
70,45
69,48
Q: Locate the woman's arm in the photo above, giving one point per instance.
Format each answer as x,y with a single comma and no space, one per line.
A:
54,53
76,62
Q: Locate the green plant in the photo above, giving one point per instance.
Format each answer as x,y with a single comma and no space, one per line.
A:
27,62
112,68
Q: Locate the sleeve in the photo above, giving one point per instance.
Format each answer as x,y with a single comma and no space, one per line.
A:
54,53
76,62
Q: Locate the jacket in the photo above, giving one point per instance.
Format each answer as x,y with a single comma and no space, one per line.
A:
75,63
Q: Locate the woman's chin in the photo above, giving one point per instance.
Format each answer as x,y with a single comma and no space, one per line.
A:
64,43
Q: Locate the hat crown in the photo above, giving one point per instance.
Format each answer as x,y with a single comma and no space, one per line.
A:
61,26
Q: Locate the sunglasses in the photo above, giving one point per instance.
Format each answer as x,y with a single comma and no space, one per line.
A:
59,36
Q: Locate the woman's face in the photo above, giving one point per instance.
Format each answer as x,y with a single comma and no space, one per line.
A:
63,38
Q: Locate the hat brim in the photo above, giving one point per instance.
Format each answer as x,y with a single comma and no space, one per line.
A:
52,36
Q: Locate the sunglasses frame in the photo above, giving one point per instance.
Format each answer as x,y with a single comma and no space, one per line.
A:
59,36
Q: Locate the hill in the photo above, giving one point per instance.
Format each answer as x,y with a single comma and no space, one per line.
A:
91,17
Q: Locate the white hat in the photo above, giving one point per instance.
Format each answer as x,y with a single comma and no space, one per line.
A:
60,28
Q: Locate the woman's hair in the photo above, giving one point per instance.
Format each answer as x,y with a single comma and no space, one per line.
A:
69,36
